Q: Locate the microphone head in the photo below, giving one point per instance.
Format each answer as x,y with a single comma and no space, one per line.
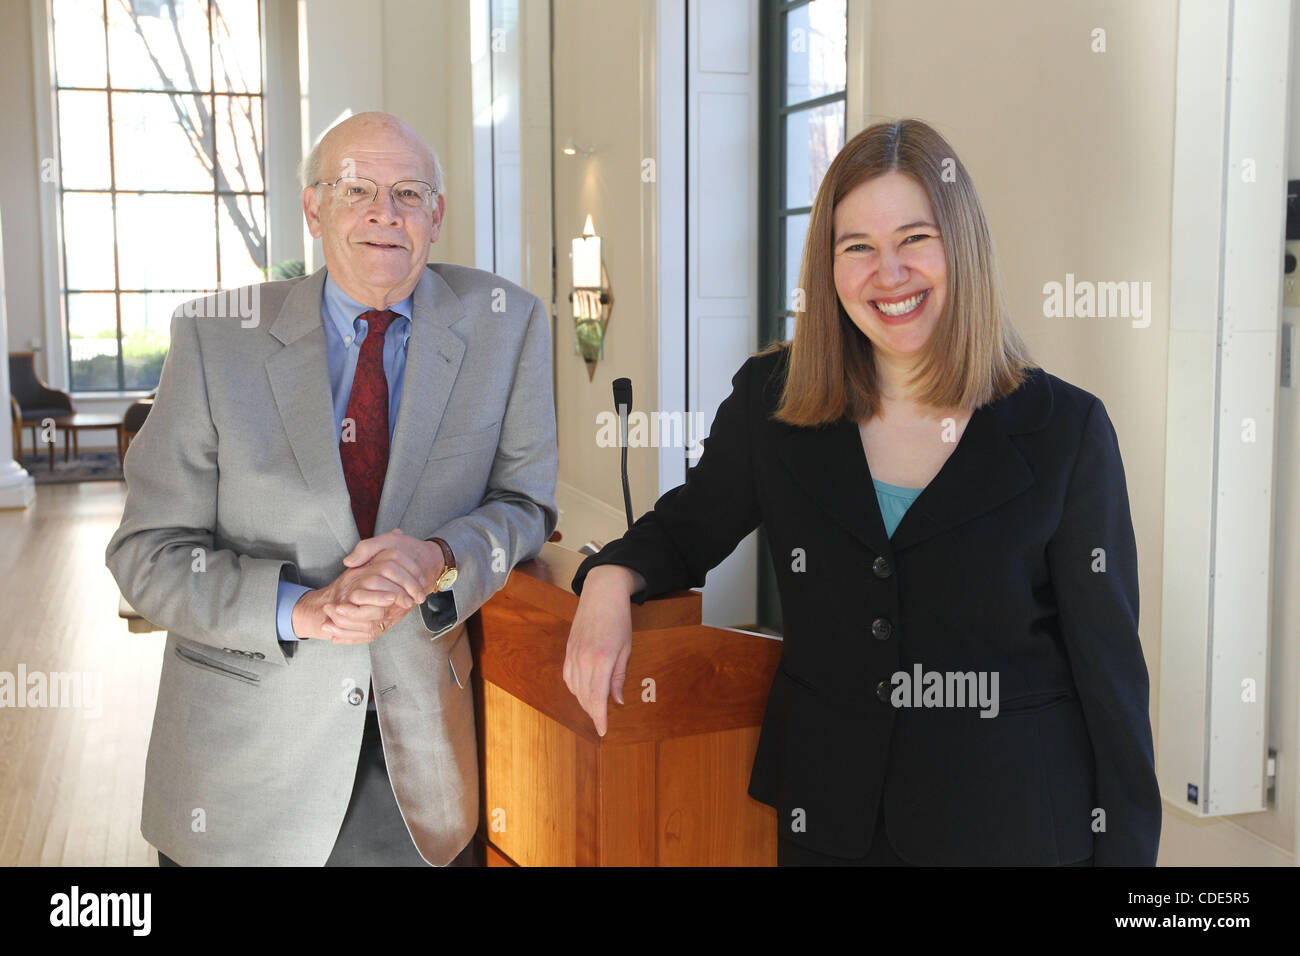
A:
623,392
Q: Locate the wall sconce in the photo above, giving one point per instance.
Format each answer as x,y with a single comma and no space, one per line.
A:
570,148
592,298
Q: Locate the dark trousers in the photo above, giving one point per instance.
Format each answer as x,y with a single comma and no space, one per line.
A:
373,833
881,853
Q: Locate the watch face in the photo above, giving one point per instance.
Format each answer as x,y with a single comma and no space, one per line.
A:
447,578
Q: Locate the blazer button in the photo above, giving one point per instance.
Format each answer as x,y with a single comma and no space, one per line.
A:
880,568
881,629
356,695
882,691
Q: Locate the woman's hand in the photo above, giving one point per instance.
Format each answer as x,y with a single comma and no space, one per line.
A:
600,641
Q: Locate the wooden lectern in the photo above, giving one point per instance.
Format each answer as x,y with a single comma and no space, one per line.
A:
666,786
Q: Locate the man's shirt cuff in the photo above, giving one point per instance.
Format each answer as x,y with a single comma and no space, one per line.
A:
286,598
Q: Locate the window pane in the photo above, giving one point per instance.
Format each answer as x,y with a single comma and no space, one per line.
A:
92,334
79,43
796,227
812,139
83,140
165,226
815,50
159,44
239,142
237,57
146,333
243,240
88,240
166,242
159,141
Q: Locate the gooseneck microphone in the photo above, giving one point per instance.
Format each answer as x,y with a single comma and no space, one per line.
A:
623,403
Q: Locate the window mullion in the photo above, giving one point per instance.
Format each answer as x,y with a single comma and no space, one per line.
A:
112,189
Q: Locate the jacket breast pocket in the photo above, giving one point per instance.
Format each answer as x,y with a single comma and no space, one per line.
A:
466,443
1035,702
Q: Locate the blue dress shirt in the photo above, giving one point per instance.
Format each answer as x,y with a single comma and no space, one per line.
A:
344,333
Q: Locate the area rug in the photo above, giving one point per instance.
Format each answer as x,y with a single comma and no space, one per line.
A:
90,466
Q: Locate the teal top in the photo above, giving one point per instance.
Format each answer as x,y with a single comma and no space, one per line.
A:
894,502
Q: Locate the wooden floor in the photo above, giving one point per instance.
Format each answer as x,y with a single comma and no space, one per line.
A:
70,781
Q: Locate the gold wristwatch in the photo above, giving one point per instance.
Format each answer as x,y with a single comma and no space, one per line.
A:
449,570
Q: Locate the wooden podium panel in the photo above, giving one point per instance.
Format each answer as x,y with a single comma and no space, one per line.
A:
704,818
666,785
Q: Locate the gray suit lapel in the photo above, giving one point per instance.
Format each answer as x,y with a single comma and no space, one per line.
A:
433,359
299,376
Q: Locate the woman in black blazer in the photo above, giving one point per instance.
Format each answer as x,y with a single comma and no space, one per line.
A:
963,685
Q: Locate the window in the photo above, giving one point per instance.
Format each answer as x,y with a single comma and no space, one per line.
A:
802,131
160,172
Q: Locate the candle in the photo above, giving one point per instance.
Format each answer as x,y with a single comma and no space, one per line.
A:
586,259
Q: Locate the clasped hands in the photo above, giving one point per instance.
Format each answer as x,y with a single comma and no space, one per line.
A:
386,576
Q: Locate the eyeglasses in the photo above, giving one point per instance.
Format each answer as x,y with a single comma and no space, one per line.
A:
411,193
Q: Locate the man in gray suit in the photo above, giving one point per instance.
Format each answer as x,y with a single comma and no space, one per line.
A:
324,456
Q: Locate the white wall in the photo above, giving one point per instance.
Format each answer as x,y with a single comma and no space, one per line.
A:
722,70
20,189
603,59
1268,838
414,62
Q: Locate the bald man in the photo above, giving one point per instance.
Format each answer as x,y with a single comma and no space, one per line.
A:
338,470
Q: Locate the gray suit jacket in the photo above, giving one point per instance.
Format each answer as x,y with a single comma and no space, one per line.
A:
235,481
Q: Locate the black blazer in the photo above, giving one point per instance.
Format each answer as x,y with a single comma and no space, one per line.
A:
996,567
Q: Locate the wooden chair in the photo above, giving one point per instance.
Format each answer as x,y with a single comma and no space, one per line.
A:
33,400
132,421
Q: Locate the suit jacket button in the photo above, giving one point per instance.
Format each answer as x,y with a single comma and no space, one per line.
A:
881,629
356,695
882,691
880,568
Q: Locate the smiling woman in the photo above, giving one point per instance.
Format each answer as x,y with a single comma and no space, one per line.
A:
897,217
934,504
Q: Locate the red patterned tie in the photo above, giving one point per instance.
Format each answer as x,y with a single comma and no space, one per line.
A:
365,458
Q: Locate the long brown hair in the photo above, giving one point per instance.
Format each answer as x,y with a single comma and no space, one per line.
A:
974,355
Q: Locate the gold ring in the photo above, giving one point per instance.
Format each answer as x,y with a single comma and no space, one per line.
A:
382,627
